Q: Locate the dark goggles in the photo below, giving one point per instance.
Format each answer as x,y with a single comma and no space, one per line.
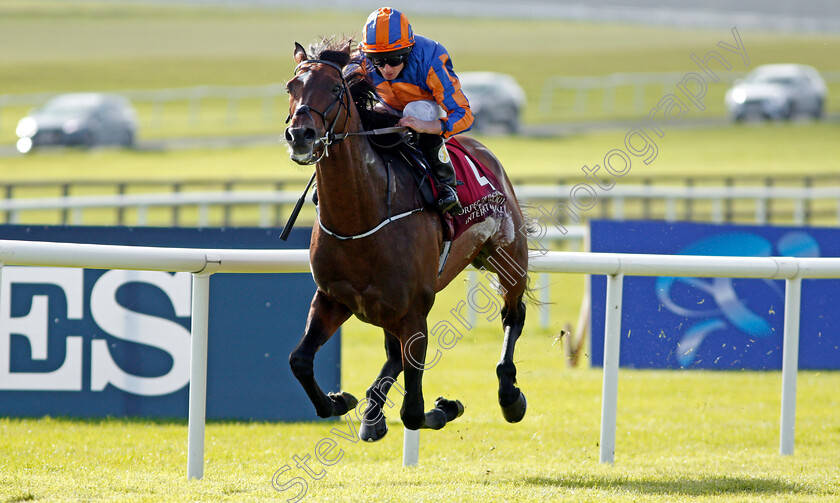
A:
391,61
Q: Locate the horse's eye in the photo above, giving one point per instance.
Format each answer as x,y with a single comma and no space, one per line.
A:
336,89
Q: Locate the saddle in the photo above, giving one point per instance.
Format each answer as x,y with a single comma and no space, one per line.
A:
478,188
406,156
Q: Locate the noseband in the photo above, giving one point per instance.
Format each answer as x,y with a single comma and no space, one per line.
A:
340,100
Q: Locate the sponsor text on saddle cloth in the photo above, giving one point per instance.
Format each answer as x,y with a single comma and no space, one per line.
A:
479,195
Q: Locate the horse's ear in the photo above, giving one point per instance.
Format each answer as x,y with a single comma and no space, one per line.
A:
346,48
300,53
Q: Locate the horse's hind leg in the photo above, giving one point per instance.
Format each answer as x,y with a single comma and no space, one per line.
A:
373,426
325,316
511,399
510,264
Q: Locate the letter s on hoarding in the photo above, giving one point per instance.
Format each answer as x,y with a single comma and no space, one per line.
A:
109,316
140,328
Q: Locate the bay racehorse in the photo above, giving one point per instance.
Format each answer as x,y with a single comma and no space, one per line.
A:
375,251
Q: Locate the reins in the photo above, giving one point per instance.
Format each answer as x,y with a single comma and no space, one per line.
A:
331,137
377,132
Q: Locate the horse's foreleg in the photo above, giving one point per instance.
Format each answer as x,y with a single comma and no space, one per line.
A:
413,344
325,316
412,414
373,426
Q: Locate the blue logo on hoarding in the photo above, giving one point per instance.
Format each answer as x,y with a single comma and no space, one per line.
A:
720,323
725,308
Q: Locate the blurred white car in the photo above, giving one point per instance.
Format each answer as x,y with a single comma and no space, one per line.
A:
495,98
777,92
85,119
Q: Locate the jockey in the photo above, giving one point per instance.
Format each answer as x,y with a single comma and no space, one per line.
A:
413,75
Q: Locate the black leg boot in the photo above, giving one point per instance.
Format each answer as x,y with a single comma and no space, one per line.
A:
436,155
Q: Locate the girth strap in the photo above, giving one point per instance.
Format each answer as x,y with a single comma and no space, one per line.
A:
370,232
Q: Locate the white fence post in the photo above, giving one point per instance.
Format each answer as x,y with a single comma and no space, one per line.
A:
411,447
265,215
799,211
760,211
544,287
198,369
472,282
612,344
790,365
203,215
76,216
717,210
670,209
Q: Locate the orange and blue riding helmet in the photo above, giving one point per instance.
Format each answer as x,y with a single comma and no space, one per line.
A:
387,31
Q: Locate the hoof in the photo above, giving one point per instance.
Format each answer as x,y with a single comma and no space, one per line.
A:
342,402
435,419
374,432
444,412
452,408
514,412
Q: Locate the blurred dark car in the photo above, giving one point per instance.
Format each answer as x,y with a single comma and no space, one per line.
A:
495,99
778,92
84,119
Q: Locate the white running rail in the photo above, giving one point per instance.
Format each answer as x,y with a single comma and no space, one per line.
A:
672,197
203,263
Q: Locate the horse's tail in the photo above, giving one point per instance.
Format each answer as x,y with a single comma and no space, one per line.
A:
529,295
533,231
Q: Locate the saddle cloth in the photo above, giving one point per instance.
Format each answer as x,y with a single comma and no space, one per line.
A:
480,193
478,188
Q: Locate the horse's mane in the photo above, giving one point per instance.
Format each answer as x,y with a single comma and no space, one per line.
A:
359,82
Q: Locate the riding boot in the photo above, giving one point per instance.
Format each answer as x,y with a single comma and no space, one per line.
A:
434,150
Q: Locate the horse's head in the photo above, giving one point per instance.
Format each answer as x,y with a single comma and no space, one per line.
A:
319,101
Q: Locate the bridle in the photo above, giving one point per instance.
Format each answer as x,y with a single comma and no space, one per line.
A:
341,99
330,137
